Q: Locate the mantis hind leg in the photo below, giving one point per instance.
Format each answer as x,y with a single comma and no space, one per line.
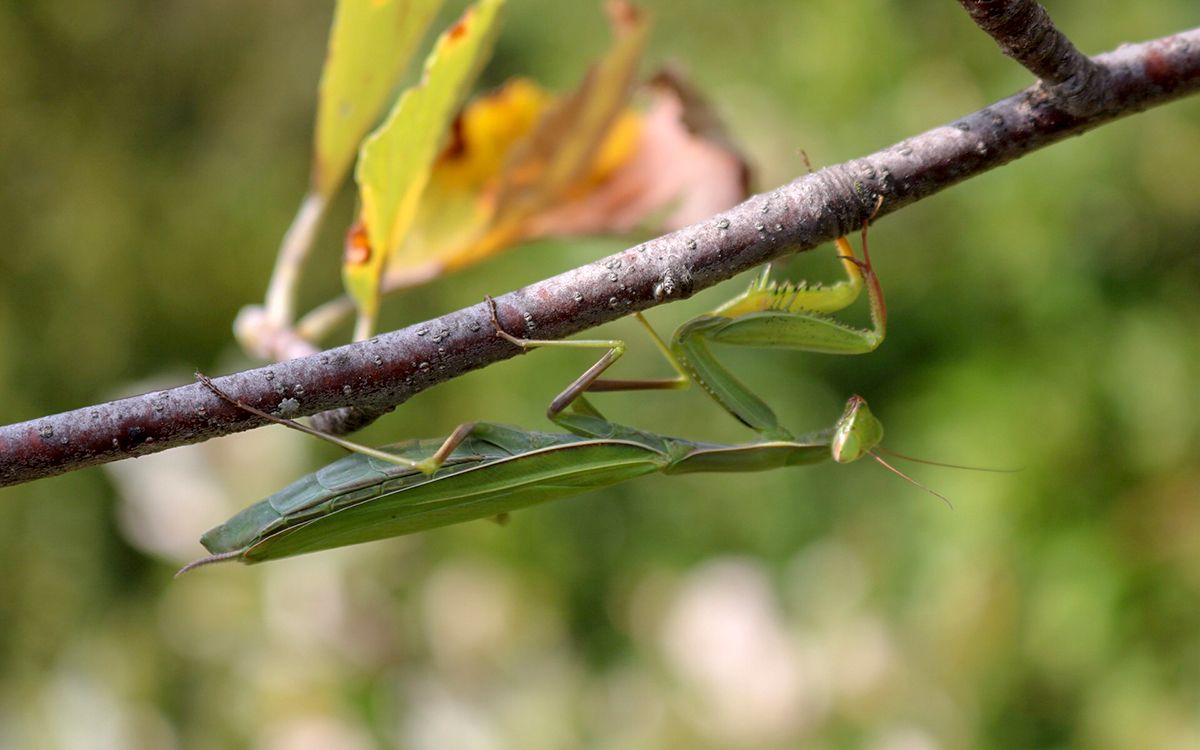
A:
426,466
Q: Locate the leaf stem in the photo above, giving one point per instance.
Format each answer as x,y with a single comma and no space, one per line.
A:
289,264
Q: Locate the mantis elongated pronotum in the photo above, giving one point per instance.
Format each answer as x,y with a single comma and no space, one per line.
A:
486,470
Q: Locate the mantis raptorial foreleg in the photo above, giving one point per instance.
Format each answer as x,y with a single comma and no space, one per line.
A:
788,316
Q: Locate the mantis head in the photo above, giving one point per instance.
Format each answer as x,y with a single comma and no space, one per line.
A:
857,431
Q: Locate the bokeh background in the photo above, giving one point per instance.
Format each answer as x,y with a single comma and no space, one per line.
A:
1044,317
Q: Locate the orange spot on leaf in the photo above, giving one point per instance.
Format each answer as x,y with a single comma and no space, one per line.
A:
456,147
459,29
358,247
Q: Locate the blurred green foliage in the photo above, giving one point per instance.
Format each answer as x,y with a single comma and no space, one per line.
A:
1043,317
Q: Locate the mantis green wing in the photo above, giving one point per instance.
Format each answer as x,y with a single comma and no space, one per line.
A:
489,469
484,489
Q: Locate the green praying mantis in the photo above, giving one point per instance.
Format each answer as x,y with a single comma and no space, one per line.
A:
487,470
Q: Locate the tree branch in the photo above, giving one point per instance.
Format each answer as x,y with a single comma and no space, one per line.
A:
1025,33
814,209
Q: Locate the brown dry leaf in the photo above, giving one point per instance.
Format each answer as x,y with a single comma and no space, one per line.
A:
682,172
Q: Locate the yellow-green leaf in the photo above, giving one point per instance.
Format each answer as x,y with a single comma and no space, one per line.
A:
395,160
370,45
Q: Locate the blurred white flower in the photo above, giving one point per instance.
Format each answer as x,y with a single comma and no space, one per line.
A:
315,733
725,639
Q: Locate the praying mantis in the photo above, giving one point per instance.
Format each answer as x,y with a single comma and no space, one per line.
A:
487,470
